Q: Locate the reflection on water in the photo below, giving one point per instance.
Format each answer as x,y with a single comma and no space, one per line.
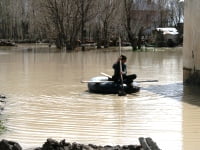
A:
46,99
191,113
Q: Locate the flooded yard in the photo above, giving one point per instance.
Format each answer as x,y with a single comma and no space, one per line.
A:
45,98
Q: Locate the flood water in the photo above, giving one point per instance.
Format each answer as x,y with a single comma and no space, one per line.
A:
45,99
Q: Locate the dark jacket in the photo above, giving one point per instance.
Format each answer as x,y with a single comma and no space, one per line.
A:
116,67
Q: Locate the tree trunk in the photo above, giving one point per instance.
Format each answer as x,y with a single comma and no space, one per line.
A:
139,42
105,34
131,35
82,25
132,40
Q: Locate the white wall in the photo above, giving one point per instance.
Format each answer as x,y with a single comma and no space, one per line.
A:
191,44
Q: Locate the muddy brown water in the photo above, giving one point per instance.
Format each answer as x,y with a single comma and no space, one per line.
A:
45,98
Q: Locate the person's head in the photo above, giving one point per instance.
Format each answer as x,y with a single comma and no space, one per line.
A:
123,58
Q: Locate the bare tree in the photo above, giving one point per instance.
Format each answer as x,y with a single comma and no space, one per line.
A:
14,19
68,18
66,21
5,18
56,15
107,9
85,14
163,8
133,20
61,17
176,8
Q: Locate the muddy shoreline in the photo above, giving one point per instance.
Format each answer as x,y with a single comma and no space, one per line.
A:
51,144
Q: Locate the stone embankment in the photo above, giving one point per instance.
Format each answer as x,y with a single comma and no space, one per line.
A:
50,144
2,103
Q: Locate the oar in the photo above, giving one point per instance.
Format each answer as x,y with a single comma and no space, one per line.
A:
84,81
107,75
121,91
147,81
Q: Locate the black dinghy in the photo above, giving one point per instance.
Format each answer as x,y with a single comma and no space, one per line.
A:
100,84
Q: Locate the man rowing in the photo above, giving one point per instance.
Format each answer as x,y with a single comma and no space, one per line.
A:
120,72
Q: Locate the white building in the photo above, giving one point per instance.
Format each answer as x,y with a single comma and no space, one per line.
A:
191,46
169,34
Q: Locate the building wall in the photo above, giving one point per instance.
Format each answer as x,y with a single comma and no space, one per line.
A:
191,44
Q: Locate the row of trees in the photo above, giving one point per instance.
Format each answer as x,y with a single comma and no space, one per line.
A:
69,22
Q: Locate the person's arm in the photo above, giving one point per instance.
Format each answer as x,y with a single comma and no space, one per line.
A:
124,70
116,69
114,66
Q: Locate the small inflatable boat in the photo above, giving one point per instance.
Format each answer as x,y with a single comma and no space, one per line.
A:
101,85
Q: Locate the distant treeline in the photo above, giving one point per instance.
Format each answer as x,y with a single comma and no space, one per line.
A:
69,23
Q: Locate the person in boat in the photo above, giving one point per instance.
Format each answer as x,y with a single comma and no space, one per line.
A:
127,79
